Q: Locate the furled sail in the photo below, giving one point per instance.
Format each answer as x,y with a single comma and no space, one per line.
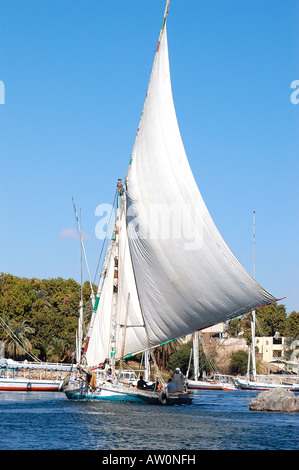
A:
187,278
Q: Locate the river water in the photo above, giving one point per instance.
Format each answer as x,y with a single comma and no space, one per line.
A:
217,420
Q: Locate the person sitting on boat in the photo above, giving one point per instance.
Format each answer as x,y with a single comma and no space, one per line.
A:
178,380
170,386
142,383
109,375
90,377
157,386
111,378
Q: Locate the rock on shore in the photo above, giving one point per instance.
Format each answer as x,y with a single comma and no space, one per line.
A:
278,399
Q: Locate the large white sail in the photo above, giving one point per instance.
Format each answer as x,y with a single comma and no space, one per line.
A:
130,336
131,333
99,342
175,273
187,277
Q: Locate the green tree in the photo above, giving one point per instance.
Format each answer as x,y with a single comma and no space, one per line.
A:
50,306
164,352
181,357
271,318
238,362
17,343
235,327
58,350
292,325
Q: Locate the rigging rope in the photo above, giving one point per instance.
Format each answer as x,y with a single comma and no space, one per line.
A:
209,359
105,239
16,339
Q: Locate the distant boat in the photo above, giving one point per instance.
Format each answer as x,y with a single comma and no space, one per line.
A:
265,382
204,385
269,382
30,376
167,270
219,382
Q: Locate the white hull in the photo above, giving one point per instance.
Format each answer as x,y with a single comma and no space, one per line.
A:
25,376
203,385
250,385
27,385
220,382
229,387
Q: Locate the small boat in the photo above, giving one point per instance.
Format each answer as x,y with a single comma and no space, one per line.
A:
219,381
223,384
31,377
121,393
229,386
269,382
78,388
204,385
29,385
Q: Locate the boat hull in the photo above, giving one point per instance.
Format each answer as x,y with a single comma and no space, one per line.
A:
202,385
244,385
130,396
229,387
26,385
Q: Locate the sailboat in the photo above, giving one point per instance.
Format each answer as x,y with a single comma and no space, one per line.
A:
29,376
219,381
264,382
25,376
167,270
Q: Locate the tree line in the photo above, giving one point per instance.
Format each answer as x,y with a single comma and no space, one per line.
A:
270,319
43,315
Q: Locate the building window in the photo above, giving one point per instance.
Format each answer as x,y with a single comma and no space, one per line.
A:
277,340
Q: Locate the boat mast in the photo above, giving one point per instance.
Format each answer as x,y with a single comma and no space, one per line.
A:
80,325
79,339
83,250
253,311
190,357
248,365
195,356
146,365
114,319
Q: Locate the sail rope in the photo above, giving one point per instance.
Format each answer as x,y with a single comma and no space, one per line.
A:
157,370
8,330
105,239
209,358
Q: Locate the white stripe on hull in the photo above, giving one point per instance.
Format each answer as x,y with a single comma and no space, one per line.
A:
28,385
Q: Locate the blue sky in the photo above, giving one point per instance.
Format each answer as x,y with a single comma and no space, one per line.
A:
75,74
